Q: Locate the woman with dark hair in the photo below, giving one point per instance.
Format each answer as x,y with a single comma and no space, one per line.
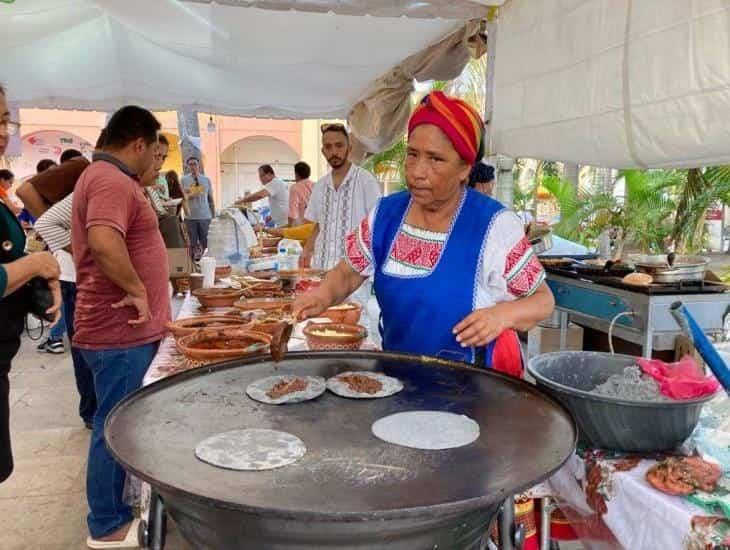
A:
453,273
16,270
175,189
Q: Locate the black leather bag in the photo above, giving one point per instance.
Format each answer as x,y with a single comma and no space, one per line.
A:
40,298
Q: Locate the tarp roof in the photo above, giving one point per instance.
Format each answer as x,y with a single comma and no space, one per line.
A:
619,83
265,58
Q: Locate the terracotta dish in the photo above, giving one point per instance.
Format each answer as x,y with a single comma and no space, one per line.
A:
264,293
267,304
334,336
348,313
189,325
268,242
217,297
219,344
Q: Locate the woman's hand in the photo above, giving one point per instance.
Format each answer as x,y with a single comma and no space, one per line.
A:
309,305
480,327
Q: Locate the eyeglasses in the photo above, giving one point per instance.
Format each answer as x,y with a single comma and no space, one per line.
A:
11,128
333,127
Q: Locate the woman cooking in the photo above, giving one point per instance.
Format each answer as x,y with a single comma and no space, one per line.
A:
453,273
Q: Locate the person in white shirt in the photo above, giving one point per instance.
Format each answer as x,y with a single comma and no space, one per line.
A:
54,226
277,191
339,201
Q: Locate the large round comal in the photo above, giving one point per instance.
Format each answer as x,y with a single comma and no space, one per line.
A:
609,423
350,490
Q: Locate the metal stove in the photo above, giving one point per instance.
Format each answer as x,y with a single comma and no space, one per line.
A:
640,315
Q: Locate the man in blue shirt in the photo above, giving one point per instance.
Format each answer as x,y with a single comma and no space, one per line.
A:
201,209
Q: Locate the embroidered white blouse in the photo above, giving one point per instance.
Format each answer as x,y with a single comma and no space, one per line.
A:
338,211
509,267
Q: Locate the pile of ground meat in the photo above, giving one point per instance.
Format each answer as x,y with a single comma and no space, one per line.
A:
285,387
632,385
361,383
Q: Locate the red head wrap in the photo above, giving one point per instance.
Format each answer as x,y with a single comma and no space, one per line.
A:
457,119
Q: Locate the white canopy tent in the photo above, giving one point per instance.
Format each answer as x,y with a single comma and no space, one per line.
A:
267,58
615,83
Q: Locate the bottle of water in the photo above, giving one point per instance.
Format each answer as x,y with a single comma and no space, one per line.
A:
287,258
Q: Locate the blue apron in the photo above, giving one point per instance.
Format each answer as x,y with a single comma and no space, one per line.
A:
419,312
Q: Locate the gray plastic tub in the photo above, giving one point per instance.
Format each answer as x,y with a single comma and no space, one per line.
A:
607,423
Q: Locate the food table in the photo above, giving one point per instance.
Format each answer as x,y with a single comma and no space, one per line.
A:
635,512
610,504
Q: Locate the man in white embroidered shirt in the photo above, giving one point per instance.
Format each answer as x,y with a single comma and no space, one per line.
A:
339,200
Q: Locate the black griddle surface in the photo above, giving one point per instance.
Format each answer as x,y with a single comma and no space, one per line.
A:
346,471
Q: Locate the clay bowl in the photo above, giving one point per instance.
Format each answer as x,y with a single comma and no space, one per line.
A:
223,271
220,344
217,297
348,313
268,242
259,293
341,336
282,304
189,325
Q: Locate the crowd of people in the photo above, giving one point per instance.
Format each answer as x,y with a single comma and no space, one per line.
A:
104,276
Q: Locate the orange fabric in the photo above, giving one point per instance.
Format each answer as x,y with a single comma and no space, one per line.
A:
457,119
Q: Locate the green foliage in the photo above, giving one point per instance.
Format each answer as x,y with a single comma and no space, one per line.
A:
643,217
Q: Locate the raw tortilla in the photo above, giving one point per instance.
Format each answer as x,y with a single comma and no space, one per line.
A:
429,430
391,385
259,389
251,450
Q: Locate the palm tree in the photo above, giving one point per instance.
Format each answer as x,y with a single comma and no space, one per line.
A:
700,189
642,218
660,208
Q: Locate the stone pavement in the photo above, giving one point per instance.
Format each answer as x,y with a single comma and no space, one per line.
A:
43,503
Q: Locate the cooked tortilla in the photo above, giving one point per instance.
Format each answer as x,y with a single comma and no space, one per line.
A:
390,385
251,450
259,390
427,430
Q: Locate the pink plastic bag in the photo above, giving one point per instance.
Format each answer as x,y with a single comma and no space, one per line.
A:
681,380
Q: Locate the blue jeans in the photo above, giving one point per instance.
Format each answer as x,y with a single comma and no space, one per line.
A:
198,234
57,331
82,373
117,373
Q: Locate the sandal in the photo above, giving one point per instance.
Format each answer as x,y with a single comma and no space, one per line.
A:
130,541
